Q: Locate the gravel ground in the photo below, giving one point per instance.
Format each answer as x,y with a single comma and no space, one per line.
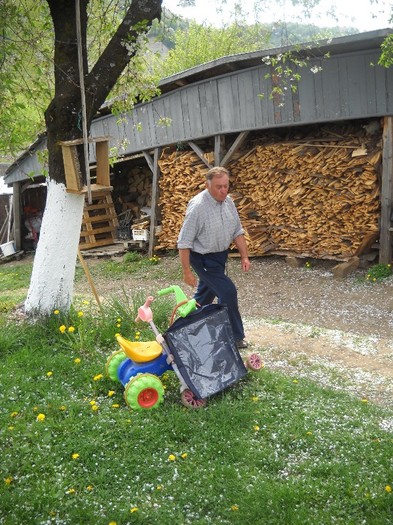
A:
305,322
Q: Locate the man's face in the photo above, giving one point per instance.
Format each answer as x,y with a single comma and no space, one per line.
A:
218,187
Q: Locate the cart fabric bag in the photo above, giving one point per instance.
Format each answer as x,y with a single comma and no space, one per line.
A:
205,351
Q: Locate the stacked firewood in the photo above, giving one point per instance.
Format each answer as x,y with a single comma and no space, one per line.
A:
314,197
182,178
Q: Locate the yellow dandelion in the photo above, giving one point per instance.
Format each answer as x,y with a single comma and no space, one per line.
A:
75,455
8,480
309,433
49,374
111,393
62,328
255,398
184,455
235,507
56,312
115,405
172,457
89,488
364,400
11,427
95,408
70,491
80,314
256,428
112,523
295,381
159,487
14,414
97,377
77,360
85,302
71,329
92,402
41,417
134,509
62,408
388,488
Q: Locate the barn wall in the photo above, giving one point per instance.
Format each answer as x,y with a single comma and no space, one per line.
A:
347,87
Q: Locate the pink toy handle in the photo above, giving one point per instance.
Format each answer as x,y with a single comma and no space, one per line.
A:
144,312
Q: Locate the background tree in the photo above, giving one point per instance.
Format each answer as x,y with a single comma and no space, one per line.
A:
54,264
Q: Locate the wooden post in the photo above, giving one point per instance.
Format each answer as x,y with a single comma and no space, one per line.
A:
154,197
385,240
16,188
219,149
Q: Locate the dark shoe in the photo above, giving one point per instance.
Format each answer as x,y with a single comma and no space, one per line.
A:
241,344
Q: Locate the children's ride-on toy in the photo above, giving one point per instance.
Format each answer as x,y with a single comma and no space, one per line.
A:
215,361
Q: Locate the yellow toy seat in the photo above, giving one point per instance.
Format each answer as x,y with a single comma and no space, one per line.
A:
139,351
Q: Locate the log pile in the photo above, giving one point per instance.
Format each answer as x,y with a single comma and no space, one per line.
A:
313,197
138,192
182,177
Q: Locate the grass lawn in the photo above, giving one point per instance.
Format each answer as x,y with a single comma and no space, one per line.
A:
269,450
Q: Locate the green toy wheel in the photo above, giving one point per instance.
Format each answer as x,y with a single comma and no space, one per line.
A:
113,362
144,391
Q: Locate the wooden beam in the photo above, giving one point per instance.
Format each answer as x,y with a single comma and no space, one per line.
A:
149,161
200,154
235,146
385,240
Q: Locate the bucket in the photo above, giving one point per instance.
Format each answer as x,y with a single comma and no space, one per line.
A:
8,248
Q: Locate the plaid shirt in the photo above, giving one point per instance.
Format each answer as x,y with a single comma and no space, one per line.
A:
209,226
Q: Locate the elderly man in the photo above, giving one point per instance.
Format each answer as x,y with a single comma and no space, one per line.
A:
210,226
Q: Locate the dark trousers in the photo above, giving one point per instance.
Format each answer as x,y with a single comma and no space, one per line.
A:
213,282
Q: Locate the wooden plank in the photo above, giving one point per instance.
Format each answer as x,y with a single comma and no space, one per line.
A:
72,168
102,158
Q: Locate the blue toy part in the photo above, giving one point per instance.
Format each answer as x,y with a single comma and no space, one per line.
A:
129,368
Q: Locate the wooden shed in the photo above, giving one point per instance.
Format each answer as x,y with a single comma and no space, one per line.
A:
311,158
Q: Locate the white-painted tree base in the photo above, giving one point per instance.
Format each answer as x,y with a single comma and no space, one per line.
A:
52,280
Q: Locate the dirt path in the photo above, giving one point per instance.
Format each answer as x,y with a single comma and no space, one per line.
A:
309,324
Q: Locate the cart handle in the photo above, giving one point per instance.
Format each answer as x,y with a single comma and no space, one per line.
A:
184,305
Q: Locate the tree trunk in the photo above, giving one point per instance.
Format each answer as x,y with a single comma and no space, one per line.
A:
51,285
52,280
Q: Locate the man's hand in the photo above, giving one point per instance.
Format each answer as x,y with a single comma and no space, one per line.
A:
246,265
189,277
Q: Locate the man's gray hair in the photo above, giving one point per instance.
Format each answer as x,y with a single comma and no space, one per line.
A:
214,172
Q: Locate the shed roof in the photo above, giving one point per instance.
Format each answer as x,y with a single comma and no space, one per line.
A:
231,86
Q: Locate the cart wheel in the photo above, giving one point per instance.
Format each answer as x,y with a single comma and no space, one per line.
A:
113,362
254,361
190,400
144,391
